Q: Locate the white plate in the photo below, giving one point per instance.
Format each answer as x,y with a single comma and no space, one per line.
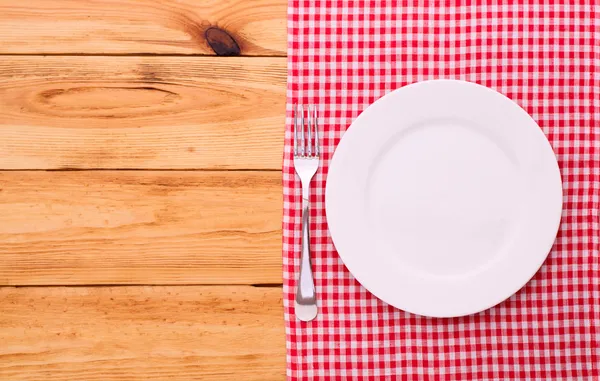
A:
443,198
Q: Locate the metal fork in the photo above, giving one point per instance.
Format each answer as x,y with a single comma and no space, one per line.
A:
306,163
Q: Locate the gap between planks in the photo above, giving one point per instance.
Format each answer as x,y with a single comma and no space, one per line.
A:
256,285
142,169
134,55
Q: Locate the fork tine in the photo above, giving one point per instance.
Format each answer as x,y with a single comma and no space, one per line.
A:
302,142
309,132
296,130
316,124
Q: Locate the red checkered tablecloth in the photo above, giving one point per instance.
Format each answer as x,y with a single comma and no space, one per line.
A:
342,56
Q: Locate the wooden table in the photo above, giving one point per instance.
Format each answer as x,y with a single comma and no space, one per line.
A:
140,189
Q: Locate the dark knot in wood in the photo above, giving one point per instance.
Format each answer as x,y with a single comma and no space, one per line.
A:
221,42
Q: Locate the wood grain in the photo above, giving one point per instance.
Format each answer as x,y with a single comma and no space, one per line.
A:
141,112
142,333
140,227
140,26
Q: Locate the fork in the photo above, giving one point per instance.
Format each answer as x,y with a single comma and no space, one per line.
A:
306,163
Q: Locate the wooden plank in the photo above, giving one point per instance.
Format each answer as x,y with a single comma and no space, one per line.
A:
258,27
140,227
141,112
142,333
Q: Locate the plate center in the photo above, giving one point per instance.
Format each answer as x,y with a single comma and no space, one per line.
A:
443,198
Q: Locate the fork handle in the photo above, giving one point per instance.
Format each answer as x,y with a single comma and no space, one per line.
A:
305,292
